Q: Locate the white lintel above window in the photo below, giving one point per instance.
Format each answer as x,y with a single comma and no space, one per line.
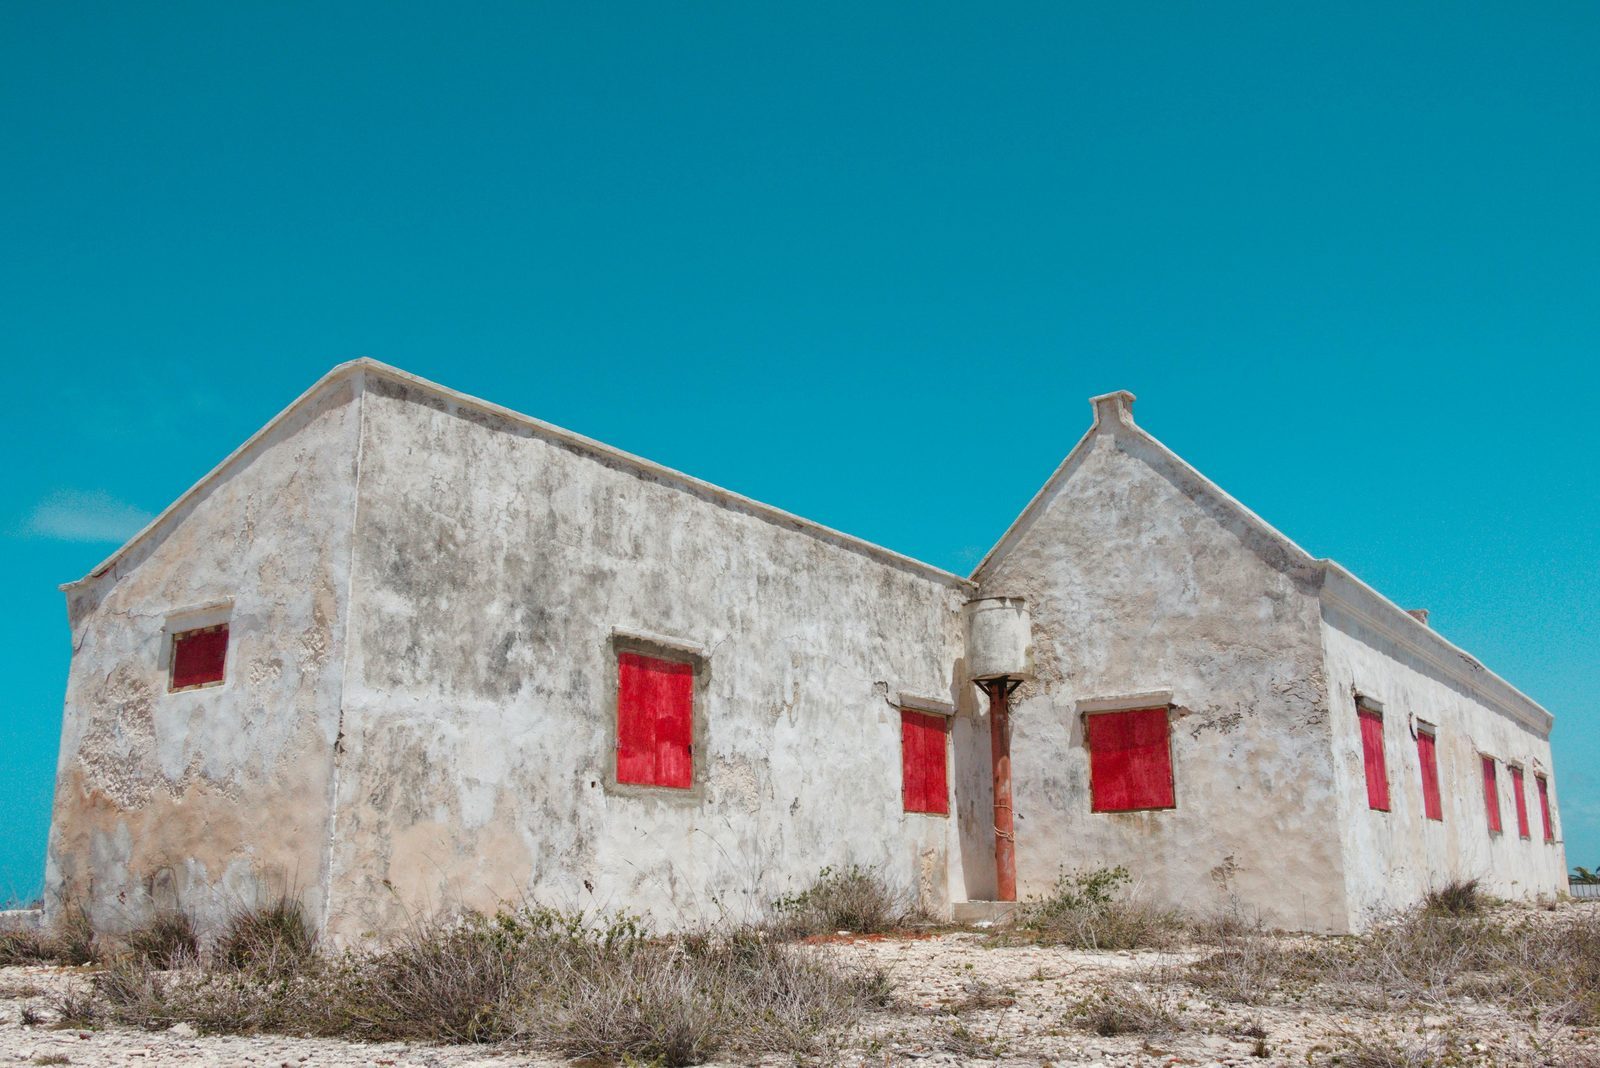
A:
1125,701
662,641
922,703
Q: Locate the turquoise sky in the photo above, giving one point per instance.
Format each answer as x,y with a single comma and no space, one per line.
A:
865,262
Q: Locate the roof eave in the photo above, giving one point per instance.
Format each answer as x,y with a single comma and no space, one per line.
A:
725,497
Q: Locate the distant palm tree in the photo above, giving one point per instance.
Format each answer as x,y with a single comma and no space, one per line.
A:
1584,876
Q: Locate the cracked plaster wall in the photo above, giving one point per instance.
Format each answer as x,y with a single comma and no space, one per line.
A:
1140,579
492,564
211,799
1393,858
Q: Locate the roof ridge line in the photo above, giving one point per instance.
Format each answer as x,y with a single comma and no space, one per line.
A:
720,495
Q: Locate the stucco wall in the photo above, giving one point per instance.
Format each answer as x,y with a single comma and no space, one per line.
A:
213,798
1393,858
492,565
1142,579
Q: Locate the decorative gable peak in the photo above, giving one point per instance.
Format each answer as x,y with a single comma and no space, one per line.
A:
1110,409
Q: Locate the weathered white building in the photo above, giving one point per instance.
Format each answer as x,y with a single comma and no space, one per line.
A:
405,648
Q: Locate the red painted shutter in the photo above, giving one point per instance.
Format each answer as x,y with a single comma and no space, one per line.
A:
655,721
1521,801
924,785
1544,807
199,657
1428,757
1372,757
1130,760
1491,795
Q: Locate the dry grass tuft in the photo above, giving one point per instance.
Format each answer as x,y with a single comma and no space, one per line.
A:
70,939
1092,910
1546,969
1126,1010
586,987
846,899
970,1045
275,936
165,940
77,1008
1459,897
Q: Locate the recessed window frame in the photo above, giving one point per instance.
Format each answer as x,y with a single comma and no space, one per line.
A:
1431,732
1369,711
1519,800
1091,712
1547,821
673,650
176,637
1491,794
918,723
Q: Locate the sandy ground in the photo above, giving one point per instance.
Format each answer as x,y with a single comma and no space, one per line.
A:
960,1001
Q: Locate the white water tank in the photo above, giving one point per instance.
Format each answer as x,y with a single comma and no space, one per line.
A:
999,638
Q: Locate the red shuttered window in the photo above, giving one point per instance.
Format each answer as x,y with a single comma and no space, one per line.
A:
923,764
1428,758
1544,807
655,721
199,657
1130,760
1372,758
1491,795
1519,798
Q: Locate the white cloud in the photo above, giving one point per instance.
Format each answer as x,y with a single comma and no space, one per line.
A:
72,515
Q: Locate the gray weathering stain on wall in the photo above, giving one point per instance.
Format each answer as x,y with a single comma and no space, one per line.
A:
433,606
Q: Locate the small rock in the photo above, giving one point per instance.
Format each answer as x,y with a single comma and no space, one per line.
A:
183,1030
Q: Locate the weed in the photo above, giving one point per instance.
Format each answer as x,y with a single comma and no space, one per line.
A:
165,940
598,987
845,899
1091,910
69,940
275,936
969,1045
1125,1009
1459,897
77,1008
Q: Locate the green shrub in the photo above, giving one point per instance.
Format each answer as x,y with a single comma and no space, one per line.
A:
846,899
1091,910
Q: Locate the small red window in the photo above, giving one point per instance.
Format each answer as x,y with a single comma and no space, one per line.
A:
1372,757
1428,757
199,657
1130,760
1491,795
922,763
1544,806
1519,797
655,721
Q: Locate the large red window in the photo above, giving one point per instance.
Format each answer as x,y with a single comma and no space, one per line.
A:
199,657
1519,798
1130,760
923,763
1491,795
655,721
1544,807
1428,758
1372,757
